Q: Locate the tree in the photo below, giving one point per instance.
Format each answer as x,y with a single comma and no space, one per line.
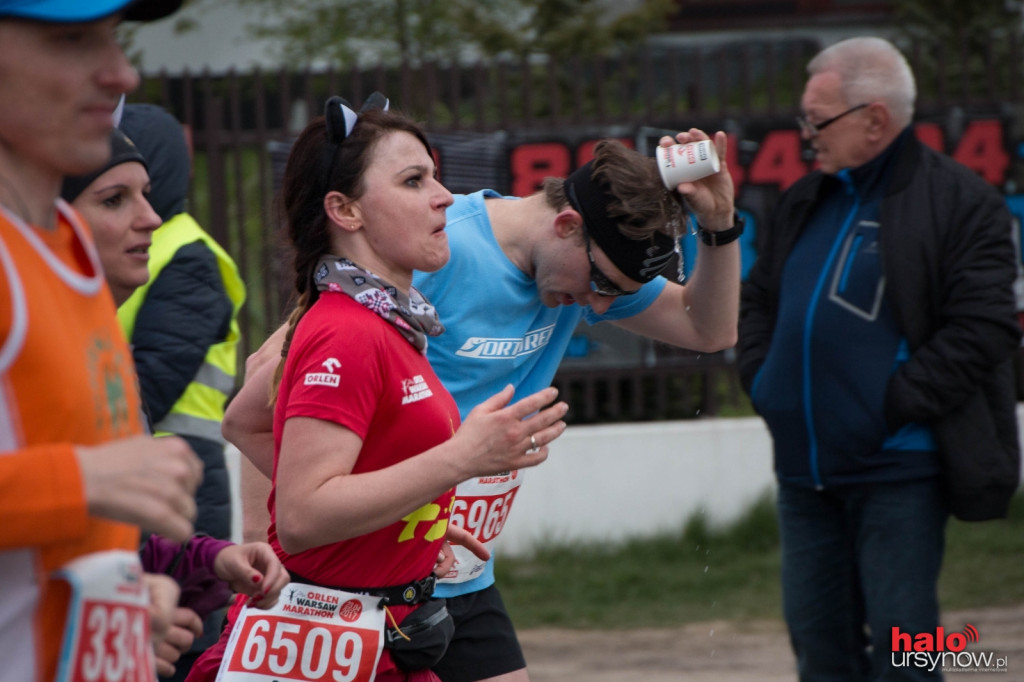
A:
946,21
357,32
966,41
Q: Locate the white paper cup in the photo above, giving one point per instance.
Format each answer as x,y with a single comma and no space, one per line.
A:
686,162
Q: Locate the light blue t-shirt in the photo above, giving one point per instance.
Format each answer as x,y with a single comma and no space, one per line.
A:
497,330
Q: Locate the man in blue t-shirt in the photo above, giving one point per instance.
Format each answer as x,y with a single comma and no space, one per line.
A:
521,275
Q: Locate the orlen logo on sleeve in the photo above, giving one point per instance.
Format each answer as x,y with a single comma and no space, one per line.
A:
328,378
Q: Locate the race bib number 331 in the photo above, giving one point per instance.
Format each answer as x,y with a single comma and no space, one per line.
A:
107,634
115,644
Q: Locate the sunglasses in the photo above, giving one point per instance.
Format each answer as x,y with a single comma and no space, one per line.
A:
599,282
812,129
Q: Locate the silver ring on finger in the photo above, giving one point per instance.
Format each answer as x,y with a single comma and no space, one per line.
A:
533,444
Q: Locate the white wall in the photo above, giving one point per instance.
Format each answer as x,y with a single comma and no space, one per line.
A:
624,480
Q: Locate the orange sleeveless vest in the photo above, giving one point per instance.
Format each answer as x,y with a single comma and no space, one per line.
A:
66,378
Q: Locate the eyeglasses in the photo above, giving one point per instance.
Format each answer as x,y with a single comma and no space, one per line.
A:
812,129
599,282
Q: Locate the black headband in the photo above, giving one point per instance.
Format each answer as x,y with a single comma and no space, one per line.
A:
641,260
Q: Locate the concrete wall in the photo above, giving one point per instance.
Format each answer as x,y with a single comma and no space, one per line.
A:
623,480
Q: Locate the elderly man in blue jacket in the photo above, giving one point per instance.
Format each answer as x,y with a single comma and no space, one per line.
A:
877,332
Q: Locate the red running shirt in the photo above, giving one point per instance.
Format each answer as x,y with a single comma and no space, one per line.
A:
349,366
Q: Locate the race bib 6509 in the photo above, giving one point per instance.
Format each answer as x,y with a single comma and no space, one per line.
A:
312,633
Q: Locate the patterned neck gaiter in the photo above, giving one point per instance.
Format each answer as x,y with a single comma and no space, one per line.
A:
413,315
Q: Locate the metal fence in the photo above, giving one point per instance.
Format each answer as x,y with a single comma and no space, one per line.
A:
241,125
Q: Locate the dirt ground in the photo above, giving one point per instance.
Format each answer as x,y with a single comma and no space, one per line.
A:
725,651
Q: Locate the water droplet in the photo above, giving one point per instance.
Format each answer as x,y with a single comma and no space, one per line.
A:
705,569
711,633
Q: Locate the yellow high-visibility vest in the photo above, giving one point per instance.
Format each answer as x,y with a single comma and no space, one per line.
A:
200,409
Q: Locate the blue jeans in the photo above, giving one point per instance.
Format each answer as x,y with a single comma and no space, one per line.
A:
856,562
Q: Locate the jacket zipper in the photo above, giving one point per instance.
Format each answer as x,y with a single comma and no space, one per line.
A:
815,464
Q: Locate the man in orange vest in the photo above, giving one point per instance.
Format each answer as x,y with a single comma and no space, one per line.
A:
77,474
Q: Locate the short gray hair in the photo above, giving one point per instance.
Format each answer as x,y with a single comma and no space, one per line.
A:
870,70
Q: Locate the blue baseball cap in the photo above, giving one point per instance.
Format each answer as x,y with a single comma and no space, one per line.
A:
78,11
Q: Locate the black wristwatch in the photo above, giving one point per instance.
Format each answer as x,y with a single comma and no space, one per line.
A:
725,236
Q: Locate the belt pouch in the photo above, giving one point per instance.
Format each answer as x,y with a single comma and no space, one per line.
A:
429,630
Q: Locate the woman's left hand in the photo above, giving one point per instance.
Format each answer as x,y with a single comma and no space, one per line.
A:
252,569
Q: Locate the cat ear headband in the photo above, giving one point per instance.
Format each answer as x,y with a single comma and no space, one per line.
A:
341,118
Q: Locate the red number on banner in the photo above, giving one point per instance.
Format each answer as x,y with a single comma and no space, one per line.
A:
981,149
778,160
930,135
531,163
302,650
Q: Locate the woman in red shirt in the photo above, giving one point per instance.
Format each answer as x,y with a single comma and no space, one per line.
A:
368,446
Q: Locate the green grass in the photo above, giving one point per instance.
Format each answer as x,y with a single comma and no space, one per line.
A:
983,562
730,574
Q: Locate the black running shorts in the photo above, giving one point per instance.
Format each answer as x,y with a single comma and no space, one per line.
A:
485,643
